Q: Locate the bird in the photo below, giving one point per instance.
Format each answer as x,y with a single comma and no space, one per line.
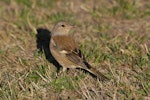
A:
66,52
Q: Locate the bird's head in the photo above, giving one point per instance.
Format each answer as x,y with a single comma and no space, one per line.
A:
61,28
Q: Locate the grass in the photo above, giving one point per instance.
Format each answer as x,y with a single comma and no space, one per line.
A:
113,36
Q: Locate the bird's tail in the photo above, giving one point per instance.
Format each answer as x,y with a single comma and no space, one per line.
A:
97,74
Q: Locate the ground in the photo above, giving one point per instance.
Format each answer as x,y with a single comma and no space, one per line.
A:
114,36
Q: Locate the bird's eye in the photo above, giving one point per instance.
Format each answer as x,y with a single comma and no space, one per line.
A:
63,25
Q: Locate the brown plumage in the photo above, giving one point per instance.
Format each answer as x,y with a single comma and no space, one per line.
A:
66,51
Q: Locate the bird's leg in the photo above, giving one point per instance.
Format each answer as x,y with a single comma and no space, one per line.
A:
62,71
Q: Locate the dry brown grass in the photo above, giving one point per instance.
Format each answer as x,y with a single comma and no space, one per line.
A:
114,36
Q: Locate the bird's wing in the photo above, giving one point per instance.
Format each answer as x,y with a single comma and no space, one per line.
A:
66,45
76,57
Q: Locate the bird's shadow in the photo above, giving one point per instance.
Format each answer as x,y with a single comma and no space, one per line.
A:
43,41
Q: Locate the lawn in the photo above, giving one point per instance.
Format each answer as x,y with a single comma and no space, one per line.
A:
114,36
